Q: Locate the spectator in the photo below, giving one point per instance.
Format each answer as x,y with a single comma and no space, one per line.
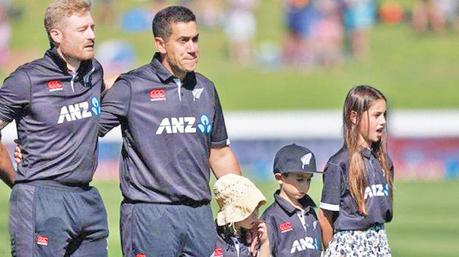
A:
300,15
391,12
426,13
240,28
209,13
449,10
359,17
105,12
157,5
327,34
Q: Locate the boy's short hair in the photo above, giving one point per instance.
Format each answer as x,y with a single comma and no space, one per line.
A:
294,159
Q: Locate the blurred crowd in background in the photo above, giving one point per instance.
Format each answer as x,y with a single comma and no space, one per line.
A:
317,33
328,32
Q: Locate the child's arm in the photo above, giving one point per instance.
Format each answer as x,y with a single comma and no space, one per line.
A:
326,225
265,250
259,246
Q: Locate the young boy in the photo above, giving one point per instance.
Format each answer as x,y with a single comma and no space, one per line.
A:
291,219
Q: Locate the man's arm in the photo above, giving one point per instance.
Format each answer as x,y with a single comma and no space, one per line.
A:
15,95
114,106
330,201
222,161
7,173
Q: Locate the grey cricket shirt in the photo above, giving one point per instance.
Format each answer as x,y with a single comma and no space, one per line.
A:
337,197
168,128
57,115
289,235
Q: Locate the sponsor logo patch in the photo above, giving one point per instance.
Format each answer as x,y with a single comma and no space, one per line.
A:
305,243
285,227
42,240
184,125
158,95
55,85
79,111
376,190
205,126
218,252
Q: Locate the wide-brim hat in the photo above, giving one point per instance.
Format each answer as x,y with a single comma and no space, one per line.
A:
237,198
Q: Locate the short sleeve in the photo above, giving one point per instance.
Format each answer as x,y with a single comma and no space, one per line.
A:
14,96
331,191
115,106
219,137
391,167
272,235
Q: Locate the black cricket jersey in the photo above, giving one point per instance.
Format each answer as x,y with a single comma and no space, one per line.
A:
337,197
229,245
168,128
56,114
293,232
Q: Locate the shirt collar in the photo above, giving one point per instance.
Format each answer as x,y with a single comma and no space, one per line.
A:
165,76
85,66
367,153
306,202
364,151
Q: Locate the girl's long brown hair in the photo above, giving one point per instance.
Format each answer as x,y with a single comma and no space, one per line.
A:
359,100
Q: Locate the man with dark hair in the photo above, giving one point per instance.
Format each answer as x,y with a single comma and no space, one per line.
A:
173,134
162,23
55,103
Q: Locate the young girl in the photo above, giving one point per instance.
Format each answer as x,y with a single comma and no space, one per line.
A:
240,232
357,192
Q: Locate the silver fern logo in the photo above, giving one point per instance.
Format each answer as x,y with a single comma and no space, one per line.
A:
197,93
306,159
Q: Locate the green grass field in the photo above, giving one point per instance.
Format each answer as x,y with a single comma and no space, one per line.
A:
425,221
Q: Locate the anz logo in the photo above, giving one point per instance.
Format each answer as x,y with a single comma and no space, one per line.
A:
79,111
304,244
377,190
184,125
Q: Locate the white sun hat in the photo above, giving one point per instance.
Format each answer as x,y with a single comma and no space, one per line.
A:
237,198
